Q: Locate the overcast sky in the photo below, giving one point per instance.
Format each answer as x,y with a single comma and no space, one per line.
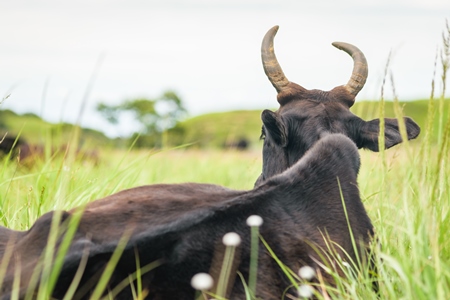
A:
208,51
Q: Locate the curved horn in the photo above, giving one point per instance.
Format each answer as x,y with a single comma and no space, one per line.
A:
360,69
270,63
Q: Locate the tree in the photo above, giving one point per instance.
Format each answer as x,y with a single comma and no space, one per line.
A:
171,110
154,115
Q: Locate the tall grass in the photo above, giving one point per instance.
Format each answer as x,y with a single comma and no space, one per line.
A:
27,192
405,191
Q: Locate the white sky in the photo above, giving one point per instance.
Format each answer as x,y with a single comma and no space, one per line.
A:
207,51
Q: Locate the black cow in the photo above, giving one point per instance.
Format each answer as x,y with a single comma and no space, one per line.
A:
180,226
305,116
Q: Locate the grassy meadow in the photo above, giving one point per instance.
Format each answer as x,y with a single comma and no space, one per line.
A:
26,192
405,191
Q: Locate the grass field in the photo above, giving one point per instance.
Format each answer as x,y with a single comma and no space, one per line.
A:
26,192
405,190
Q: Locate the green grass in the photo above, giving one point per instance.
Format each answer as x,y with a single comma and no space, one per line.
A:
27,192
405,191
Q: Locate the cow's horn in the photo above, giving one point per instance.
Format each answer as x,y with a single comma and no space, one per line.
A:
270,63
360,69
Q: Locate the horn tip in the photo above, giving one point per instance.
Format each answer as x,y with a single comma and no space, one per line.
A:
338,45
274,28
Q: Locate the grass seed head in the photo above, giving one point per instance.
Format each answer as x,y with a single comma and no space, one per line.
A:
307,273
202,281
305,291
231,239
254,220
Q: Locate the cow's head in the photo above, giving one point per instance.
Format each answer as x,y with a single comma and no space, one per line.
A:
305,116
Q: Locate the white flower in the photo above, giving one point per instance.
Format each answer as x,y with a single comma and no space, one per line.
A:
306,272
254,220
231,239
305,291
202,281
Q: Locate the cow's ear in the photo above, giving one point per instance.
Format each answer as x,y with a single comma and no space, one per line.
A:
274,127
369,133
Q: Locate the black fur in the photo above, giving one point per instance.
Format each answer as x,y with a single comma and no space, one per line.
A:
308,116
310,159
181,226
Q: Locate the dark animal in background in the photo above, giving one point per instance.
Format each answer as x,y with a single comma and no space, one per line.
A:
240,144
21,150
310,159
27,153
8,144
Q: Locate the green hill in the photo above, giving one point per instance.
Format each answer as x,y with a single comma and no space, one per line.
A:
212,130
216,129
34,130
